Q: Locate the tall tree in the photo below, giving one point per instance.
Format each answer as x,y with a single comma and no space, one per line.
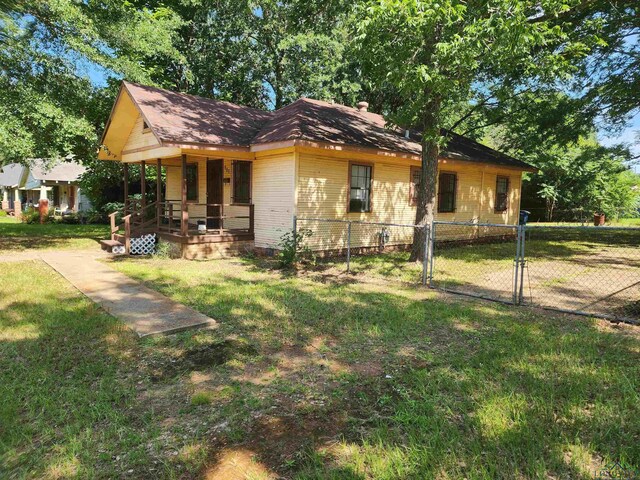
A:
263,53
439,55
48,105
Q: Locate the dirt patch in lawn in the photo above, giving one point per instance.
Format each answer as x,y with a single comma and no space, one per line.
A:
198,358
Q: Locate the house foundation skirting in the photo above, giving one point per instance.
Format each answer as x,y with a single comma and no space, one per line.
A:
206,251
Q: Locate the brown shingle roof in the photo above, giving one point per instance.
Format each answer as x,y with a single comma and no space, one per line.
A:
181,118
318,121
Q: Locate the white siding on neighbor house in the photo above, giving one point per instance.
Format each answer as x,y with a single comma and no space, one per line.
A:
273,197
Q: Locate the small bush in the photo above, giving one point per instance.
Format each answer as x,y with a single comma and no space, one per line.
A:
3,213
163,249
94,216
293,249
32,215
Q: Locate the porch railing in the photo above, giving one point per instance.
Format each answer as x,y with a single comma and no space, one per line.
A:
168,217
206,218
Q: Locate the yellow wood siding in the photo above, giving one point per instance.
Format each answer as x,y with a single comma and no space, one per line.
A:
323,193
197,212
139,139
273,197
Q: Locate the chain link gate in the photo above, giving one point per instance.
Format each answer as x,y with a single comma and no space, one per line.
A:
576,269
478,259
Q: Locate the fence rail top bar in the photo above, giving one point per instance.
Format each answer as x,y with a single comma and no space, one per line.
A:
533,226
472,224
331,220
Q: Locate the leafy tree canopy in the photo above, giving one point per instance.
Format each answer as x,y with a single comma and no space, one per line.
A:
48,105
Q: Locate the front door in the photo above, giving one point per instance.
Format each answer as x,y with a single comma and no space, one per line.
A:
72,197
215,173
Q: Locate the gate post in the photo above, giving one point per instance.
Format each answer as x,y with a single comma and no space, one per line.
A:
348,247
516,265
522,263
425,259
432,250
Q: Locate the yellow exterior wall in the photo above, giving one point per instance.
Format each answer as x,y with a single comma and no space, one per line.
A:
323,193
274,197
313,183
139,138
197,210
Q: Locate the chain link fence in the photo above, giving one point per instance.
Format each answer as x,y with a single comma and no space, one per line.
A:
585,270
589,270
364,248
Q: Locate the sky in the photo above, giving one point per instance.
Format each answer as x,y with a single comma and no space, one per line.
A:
629,136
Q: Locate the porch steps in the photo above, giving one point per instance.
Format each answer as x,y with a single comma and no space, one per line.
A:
112,246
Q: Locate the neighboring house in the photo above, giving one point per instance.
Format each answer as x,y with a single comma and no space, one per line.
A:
237,176
24,185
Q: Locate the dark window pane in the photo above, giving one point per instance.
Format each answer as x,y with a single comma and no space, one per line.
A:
447,192
502,193
242,182
415,185
192,182
360,192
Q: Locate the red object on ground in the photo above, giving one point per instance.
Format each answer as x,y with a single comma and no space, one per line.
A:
598,219
43,208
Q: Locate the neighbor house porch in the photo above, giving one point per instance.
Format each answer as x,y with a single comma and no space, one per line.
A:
201,205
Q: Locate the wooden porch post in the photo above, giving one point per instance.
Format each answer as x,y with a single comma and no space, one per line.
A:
184,225
126,188
158,191
143,185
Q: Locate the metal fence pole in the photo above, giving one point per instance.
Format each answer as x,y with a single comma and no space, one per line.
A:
425,257
348,247
516,264
432,252
522,263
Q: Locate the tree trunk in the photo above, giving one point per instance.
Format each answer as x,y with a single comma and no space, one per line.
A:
425,208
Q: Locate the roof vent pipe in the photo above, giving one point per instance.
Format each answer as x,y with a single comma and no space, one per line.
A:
363,106
406,134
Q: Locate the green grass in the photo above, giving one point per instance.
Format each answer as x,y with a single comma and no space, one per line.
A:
7,219
616,222
65,397
358,380
16,236
314,374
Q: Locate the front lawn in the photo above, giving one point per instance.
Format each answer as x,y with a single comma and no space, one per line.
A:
307,376
16,236
340,379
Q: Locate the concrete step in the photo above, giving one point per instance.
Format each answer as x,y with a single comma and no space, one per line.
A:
112,246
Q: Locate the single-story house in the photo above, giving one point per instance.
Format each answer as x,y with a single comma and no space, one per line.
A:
23,186
236,176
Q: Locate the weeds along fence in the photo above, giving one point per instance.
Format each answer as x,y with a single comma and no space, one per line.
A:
577,269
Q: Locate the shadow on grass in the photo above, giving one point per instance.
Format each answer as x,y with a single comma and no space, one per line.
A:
377,383
61,389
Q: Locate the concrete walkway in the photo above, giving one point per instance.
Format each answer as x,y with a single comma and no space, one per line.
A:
144,310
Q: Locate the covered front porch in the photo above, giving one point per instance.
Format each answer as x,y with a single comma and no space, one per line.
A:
201,205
